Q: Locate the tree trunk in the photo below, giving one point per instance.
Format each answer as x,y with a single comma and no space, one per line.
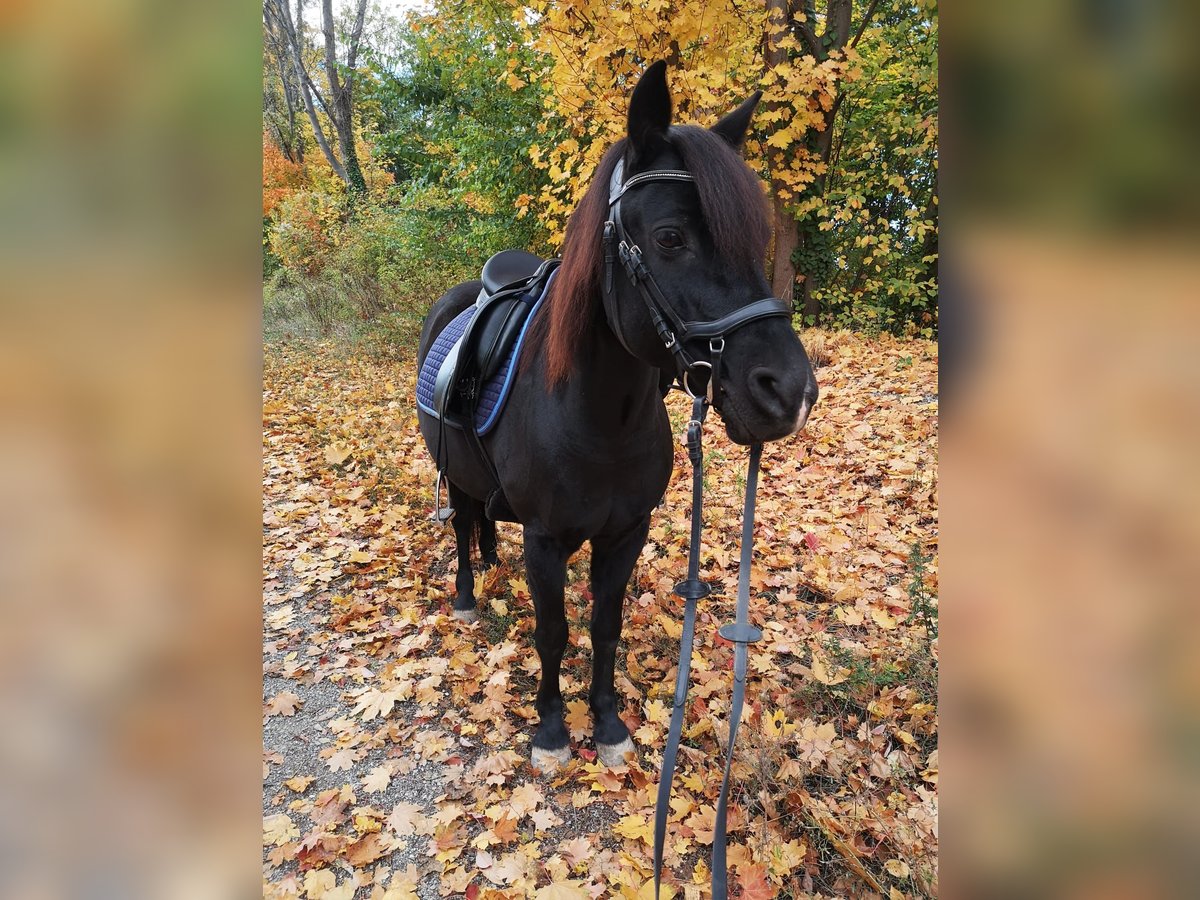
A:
798,18
341,112
783,268
295,36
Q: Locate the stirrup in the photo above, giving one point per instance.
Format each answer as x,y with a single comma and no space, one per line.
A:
442,514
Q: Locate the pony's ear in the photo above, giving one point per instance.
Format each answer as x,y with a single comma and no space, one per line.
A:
649,110
733,126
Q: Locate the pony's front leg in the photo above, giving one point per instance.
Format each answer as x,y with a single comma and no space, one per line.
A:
467,510
612,564
546,572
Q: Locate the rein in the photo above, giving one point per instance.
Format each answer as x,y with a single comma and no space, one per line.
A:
674,333
740,632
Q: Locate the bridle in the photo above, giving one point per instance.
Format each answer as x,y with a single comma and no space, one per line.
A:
676,334
673,331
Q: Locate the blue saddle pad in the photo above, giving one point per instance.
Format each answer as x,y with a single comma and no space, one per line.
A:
495,392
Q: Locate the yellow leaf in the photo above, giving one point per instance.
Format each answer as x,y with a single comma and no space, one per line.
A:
672,627
279,829
337,453
563,890
883,618
646,891
318,882
578,719
635,828
778,726
657,712
820,670
897,867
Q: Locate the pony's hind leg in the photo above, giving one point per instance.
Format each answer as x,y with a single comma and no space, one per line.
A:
466,511
612,563
487,539
546,572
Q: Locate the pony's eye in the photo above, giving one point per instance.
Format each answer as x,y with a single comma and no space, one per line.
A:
668,239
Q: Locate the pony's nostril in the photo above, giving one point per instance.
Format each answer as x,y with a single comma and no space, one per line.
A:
768,391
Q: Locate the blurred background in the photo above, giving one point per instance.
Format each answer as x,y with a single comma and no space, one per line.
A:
1070,280
130,355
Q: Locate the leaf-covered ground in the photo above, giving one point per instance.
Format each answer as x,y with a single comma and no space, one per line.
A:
397,738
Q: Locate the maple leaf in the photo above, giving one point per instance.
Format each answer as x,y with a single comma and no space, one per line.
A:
403,885
578,719
754,884
447,842
279,829
330,806
821,669
374,702
778,726
285,703
337,453
563,890
646,891
341,760
377,779
636,828
505,830
300,783
544,819
403,891
525,798
509,869
576,850
366,851
405,819
897,868
318,882
657,712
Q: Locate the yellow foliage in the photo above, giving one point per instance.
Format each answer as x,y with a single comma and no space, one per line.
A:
716,53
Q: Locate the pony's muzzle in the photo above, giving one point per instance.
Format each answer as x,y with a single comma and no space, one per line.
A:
784,396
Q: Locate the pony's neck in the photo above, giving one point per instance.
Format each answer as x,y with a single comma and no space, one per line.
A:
618,389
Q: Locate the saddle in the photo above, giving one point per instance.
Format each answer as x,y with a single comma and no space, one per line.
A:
467,380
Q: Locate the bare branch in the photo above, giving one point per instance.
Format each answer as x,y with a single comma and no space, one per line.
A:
356,35
293,32
866,20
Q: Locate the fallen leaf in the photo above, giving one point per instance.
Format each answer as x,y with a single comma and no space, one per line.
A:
563,890
285,703
337,453
279,829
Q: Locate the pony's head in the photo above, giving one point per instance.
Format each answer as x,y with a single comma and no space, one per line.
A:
702,241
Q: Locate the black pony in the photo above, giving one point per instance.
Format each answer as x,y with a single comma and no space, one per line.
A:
583,451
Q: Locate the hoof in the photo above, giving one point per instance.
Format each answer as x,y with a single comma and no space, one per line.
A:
469,616
549,760
614,754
